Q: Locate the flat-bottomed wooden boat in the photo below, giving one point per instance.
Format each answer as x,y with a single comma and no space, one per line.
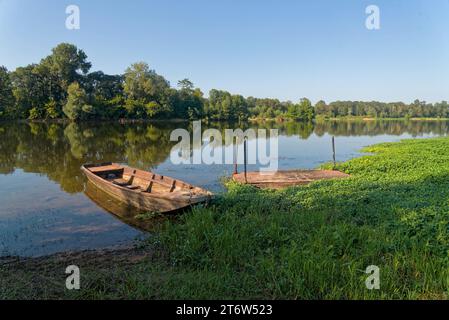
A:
143,189
283,179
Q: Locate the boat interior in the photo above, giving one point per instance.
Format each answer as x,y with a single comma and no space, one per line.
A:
140,180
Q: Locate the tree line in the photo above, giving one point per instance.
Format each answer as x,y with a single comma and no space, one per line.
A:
62,86
375,109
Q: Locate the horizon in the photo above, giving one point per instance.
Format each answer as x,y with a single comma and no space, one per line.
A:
267,52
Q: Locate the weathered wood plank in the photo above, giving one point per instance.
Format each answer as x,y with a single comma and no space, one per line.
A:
283,179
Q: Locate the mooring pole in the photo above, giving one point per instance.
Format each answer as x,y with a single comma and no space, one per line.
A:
333,151
245,141
235,147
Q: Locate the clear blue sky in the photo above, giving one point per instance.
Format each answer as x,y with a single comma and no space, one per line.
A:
284,49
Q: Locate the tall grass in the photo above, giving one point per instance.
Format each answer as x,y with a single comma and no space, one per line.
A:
315,242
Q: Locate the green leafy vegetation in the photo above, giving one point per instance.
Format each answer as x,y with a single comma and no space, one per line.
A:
76,107
375,109
41,91
315,242
310,242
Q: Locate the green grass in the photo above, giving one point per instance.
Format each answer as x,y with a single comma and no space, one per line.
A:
316,241
312,242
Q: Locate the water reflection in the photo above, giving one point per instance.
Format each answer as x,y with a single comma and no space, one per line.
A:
58,150
44,209
124,212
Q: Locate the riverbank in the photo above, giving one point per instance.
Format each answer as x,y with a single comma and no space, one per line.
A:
44,277
347,118
258,119
122,121
354,118
312,242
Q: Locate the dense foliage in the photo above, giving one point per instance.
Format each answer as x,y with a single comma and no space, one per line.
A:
417,109
60,86
42,91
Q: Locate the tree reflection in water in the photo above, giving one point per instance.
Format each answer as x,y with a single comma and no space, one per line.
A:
58,150
37,218
127,214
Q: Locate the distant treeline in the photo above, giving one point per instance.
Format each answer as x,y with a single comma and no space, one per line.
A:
417,109
61,86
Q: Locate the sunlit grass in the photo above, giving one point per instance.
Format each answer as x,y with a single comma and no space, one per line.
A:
316,242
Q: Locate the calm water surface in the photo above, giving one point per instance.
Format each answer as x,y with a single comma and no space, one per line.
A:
46,206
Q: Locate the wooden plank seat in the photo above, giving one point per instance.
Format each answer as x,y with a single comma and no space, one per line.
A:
120,182
171,186
124,183
132,187
106,170
145,182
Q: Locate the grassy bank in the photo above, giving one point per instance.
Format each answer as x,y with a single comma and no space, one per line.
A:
312,242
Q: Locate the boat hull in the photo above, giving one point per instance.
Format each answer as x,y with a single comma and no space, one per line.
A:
142,200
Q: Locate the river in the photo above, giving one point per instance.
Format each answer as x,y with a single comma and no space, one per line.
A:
45,209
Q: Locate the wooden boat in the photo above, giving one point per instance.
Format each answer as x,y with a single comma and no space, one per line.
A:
283,179
144,190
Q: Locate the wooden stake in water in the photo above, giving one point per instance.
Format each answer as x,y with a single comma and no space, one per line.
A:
245,157
333,151
236,147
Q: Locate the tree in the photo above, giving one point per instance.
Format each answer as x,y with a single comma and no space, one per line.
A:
144,89
40,90
189,103
67,64
142,83
302,111
153,109
186,85
105,92
29,91
50,85
321,108
239,108
307,112
6,93
103,86
223,106
52,110
77,107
